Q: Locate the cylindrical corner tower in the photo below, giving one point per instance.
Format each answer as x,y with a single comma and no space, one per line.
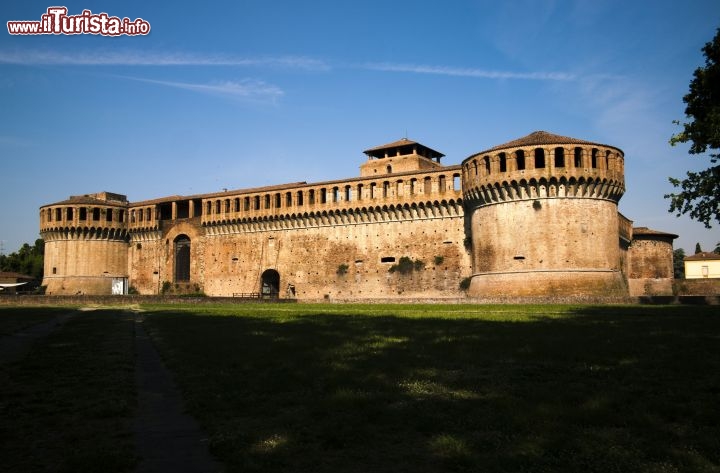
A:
543,218
86,247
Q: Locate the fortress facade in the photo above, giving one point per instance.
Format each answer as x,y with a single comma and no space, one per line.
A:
536,216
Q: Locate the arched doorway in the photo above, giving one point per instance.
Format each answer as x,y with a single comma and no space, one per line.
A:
270,284
182,258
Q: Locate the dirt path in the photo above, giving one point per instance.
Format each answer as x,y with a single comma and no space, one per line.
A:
168,440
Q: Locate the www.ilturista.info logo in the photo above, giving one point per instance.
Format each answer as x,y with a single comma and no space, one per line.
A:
57,21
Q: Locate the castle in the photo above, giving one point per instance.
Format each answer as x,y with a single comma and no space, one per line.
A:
536,216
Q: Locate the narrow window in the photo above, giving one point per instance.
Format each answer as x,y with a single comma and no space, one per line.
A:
300,198
386,188
335,194
520,158
456,182
236,204
539,158
278,201
217,206
486,163
267,201
441,184
256,205
323,195
559,157
389,169
577,161
348,194
427,188
412,186
593,158
227,206
372,190
58,214
503,162
70,214
311,197
359,192
288,199
387,259
246,203
121,216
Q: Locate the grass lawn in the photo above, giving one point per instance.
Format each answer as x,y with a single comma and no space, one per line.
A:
13,319
360,388
67,406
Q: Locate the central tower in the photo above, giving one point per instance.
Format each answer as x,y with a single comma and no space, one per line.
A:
543,218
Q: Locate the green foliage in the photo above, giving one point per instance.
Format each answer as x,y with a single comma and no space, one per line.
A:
700,195
465,284
132,290
438,260
166,286
717,248
678,263
406,266
342,269
698,248
27,260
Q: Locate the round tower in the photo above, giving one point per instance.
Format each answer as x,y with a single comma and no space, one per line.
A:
86,245
543,218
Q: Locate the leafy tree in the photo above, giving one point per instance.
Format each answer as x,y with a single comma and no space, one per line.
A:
678,263
27,260
698,248
717,248
700,194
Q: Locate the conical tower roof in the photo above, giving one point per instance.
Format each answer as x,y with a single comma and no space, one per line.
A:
542,138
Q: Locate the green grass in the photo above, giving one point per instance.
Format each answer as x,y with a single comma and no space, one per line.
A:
14,319
67,406
450,388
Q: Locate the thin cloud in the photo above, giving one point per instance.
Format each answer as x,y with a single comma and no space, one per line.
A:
470,72
139,58
250,90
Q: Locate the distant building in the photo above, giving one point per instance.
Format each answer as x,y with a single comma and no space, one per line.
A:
536,216
703,265
10,282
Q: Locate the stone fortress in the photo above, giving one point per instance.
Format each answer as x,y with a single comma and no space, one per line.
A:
537,216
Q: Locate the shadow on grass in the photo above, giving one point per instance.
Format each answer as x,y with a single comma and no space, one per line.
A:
14,319
601,389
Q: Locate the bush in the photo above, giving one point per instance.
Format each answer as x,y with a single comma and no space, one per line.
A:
438,260
166,285
406,265
342,269
465,283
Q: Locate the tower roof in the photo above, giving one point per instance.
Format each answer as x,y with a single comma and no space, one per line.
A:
540,138
379,151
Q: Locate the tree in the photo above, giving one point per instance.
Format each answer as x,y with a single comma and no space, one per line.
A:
27,260
678,263
698,248
717,248
700,195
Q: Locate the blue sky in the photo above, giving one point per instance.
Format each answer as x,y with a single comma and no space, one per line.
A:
250,93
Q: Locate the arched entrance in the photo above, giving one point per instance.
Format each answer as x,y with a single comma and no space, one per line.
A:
182,258
270,284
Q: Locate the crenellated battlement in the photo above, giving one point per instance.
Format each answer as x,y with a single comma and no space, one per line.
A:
544,165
